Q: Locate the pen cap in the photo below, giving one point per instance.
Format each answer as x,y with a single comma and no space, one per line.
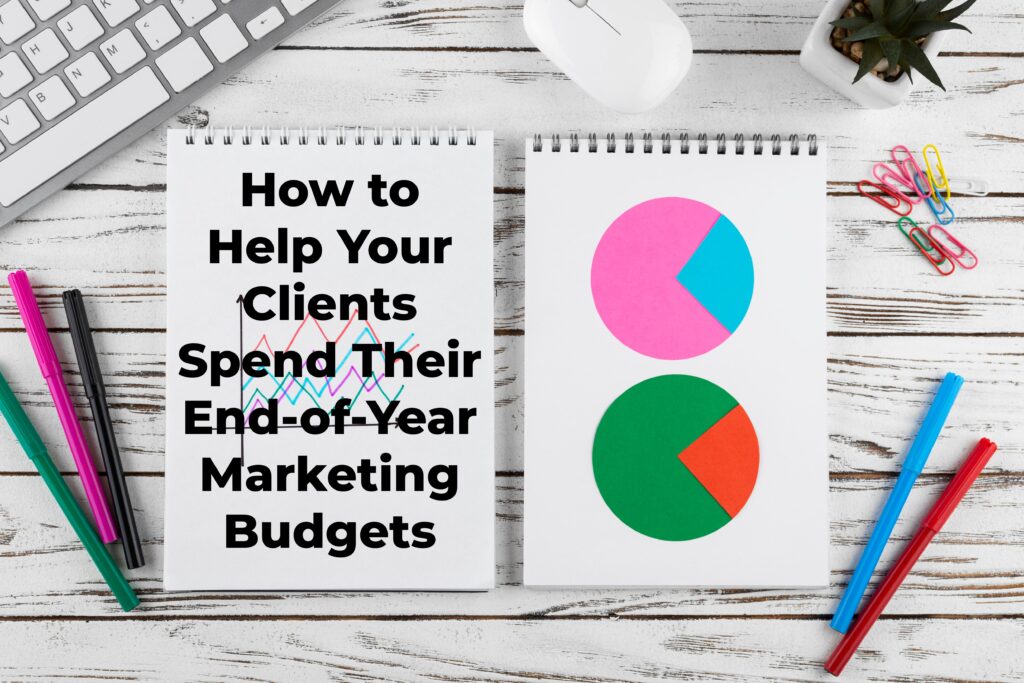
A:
961,483
81,337
19,422
933,422
35,326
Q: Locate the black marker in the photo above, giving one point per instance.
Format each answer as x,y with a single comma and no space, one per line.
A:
89,367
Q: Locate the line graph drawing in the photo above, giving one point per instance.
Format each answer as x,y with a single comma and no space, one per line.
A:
256,391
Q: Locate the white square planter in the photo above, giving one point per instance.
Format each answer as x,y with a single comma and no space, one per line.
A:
837,71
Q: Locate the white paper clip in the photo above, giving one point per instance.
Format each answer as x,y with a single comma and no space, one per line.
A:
971,187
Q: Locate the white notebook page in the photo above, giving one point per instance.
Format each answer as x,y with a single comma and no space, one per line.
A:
371,533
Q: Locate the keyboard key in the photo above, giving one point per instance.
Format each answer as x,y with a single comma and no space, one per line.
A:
122,51
293,7
193,11
116,11
87,74
46,9
184,64
14,21
158,28
52,98
80,133
14,75
265,23
17,121
223,38
44,50
80,27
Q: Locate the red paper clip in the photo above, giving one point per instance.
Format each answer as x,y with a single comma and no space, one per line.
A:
911,170
927,246
953,248
898,197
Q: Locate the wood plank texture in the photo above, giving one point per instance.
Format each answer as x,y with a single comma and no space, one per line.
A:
508,651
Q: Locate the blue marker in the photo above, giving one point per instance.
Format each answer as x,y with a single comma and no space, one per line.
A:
912,466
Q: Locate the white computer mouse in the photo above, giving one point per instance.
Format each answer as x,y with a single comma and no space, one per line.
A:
627,54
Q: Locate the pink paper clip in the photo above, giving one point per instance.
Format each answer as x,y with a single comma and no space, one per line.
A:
911,170
879,198
927,246
891,177
953,248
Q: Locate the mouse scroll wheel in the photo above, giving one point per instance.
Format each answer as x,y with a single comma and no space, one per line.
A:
579,3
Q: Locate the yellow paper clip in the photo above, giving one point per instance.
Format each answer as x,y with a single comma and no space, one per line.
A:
940,183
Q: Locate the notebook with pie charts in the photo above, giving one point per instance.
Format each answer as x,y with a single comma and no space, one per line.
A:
675,362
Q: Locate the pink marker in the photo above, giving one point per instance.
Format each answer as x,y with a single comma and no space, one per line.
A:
39,337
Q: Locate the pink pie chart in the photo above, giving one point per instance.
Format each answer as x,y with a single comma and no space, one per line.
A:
672,278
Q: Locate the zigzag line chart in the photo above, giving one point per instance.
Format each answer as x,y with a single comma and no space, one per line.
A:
305,392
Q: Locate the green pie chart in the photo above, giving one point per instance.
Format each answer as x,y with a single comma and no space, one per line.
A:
675,457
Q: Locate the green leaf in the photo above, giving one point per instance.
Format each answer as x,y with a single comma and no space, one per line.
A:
927,27
893,51
929,8
907,70
873,30
877,8
852,23
899,15
916,58
951,14
872,56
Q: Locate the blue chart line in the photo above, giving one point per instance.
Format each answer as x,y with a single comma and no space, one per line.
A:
329,386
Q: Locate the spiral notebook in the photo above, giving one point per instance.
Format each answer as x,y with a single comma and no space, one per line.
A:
330,400
675,362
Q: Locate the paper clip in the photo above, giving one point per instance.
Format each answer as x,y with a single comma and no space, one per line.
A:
911,169
927,246
891,177
953,248
940,207
940,183
898,197
970,187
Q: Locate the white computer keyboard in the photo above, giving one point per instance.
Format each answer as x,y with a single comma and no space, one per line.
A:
80,79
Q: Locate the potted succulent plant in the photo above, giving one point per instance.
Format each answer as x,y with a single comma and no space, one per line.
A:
870,50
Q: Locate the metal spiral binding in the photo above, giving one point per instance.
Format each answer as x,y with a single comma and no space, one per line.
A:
648,143
341,135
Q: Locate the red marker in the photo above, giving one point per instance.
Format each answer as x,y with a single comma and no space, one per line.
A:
943,508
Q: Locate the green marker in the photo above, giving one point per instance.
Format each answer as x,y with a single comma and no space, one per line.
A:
36,451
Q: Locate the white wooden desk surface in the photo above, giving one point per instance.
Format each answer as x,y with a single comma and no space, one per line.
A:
894,327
